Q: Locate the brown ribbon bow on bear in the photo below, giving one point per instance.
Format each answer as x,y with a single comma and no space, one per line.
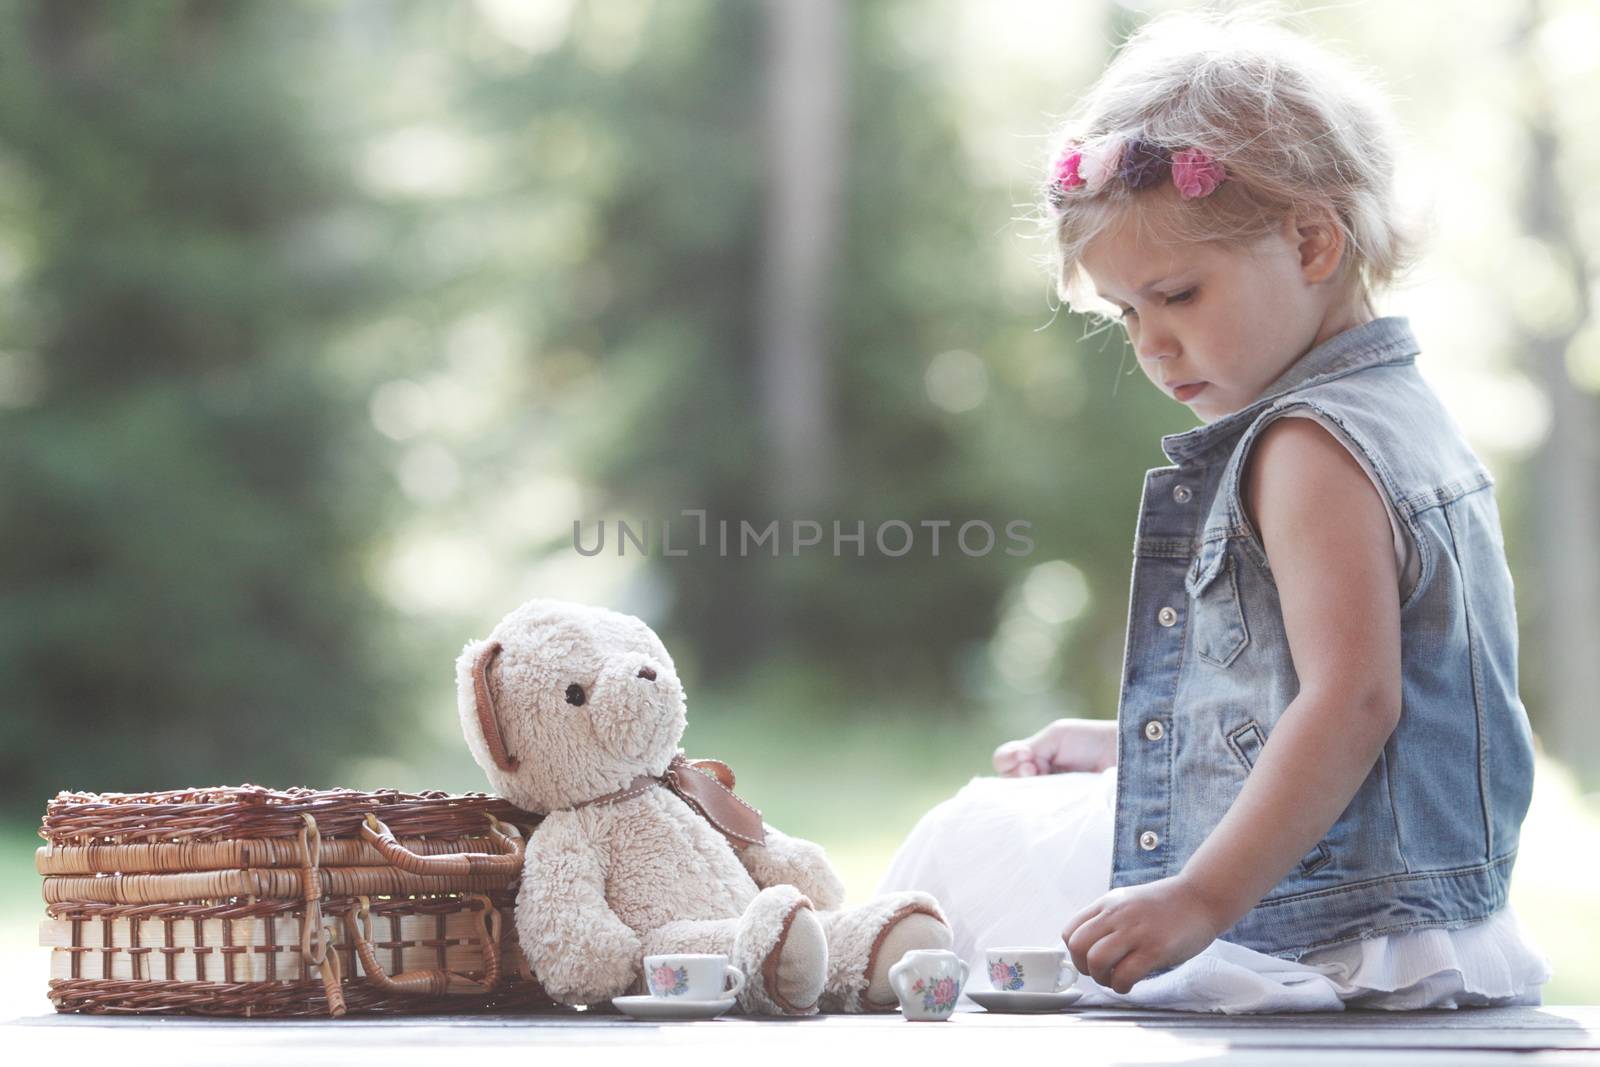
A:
706,785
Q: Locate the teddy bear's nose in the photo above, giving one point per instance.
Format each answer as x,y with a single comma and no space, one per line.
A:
647,674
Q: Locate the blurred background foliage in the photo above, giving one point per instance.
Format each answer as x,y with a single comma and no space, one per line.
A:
322,324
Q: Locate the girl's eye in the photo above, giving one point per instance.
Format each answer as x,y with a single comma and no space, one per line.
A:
1176,298
575,694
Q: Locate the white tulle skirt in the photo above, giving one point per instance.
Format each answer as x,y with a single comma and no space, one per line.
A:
1012,859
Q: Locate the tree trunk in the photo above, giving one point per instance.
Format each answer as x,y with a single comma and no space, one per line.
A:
1565,511
804,155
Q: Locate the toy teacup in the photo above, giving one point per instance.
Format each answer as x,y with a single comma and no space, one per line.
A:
1030,970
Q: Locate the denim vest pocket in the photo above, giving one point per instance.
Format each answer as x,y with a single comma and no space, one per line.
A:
1245,742
1215,613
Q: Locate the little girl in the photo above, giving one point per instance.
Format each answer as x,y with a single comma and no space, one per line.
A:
1312,792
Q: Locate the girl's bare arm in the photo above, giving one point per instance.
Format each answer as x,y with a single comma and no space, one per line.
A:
1328,541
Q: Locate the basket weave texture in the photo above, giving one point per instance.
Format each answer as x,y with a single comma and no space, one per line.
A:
248,901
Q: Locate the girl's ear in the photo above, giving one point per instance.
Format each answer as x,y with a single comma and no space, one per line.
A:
1316,235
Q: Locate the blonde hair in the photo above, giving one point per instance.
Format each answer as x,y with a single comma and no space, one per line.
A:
1295,127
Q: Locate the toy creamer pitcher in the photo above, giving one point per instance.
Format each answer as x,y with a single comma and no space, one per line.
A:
928,982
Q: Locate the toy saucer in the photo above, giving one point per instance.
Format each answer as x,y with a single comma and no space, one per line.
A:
1005,1000
646,1006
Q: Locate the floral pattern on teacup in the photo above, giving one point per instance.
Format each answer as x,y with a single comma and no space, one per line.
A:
938,994
668,981
1003,975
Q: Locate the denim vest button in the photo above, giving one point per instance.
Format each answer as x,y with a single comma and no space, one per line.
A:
1166,616
1152,730
1148,840
1181,493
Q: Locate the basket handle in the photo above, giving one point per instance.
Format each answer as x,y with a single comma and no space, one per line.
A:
429,982
453,864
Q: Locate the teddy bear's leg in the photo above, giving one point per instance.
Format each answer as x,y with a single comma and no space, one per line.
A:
865,941
713,936
781,948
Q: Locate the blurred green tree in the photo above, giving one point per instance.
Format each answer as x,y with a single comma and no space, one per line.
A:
945,403
182,599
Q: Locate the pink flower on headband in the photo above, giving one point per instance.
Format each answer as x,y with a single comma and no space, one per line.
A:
1195,173
1099,163
1066,168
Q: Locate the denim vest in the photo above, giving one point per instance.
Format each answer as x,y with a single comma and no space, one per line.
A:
1431,835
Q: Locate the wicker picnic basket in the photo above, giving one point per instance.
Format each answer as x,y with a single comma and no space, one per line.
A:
262,902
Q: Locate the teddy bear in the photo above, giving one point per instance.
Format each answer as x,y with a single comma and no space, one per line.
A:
575,712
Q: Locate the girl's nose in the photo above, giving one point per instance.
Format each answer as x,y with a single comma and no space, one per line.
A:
1155,347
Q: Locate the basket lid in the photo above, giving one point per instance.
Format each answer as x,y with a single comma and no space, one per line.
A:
198,814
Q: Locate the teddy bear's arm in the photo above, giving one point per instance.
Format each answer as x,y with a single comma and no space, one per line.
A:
786,860
581,952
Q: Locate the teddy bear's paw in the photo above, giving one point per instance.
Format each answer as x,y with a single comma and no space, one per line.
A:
783,952
864,942
591,970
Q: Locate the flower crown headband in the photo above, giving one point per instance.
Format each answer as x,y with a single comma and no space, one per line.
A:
1139,163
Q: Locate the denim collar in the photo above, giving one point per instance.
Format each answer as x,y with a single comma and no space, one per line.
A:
1382,341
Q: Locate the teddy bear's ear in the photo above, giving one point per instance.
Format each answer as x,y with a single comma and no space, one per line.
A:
483,698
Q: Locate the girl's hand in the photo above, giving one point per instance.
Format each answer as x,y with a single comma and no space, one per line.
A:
1064,745
1135,929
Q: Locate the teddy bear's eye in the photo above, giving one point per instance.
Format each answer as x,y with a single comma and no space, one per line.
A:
575,694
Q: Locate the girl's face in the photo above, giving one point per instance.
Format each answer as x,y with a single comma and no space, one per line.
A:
1213,326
